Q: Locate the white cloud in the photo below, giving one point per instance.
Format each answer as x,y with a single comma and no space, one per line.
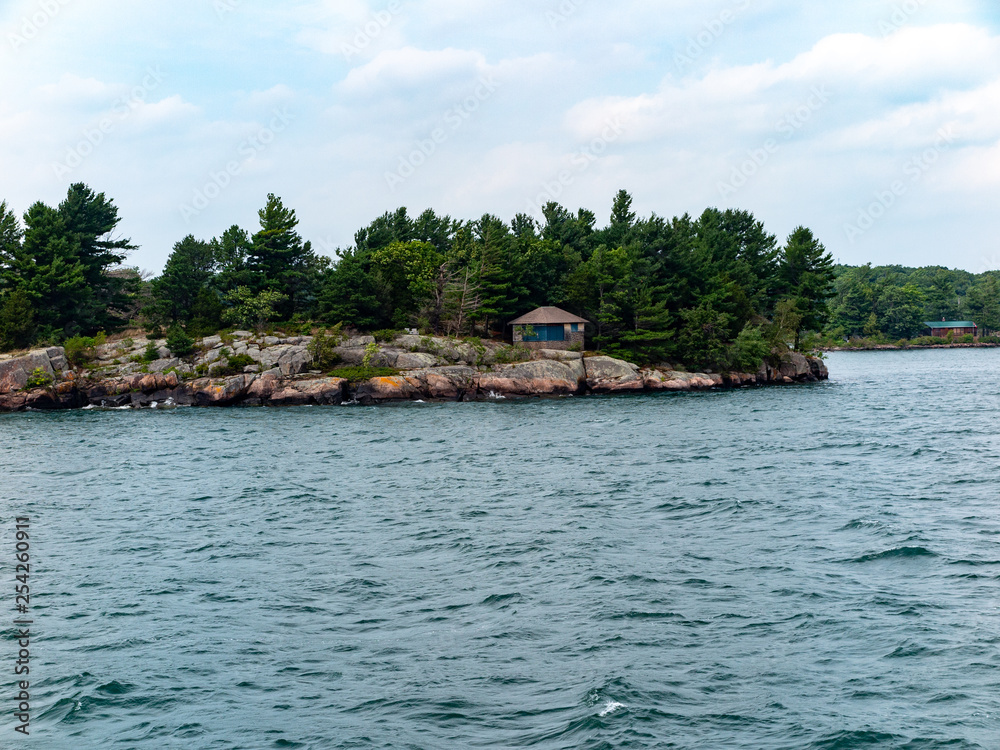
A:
407,70
366,88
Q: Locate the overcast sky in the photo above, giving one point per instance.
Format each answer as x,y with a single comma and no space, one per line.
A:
876,123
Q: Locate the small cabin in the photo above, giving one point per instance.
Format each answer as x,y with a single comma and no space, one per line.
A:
549,328
955,327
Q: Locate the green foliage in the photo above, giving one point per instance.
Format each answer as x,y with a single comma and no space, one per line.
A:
79,350
201,370
749,349
785,325
653,289
896,301
322,347
806,275
506,355
17,321
39,378
152,352
386,335
280,263
234,365
371,351
188,270
363,373
179,343
703,336
66,263
206,313
405,276
252,310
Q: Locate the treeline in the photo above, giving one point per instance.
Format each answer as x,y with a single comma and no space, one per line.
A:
717,290
893,302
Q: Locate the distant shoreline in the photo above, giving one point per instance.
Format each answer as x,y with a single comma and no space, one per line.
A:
894,347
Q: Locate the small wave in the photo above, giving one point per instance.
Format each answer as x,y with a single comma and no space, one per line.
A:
852,740
502,600
496,396
895,552
610,707
860,523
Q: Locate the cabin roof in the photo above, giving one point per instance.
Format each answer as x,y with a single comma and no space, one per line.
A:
952,324
547,316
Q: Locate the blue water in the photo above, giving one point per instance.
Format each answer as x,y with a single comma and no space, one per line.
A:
804,567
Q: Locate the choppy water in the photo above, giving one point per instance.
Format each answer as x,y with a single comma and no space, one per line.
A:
807,567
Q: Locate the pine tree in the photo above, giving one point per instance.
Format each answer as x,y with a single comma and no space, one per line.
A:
280,260
806,276
90,221
188,269
48,268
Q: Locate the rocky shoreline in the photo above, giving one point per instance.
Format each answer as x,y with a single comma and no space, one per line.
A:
430,369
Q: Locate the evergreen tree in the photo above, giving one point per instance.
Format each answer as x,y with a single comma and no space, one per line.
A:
349,293
90,221
231,253
11,236
619,231
281,261
806,276
17,320
48,268
188,271
491,248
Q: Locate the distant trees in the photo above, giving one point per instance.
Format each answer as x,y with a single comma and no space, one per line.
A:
894,302
983,304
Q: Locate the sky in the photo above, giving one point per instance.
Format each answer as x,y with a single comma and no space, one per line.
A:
874,123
